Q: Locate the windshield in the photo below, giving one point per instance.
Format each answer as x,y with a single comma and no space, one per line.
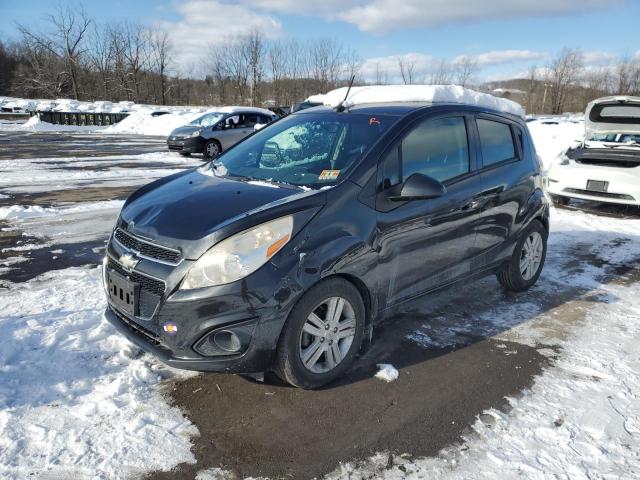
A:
207,120
311,150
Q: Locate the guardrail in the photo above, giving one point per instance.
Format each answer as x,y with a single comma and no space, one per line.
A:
12,117
81,118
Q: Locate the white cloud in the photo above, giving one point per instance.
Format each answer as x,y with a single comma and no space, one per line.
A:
326,8
379,16
384,15
207,22
597,58
387,68
502,57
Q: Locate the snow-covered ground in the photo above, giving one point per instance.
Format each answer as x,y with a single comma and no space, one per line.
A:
554,135
78,401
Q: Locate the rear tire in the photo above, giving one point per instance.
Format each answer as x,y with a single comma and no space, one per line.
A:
527,260
322,335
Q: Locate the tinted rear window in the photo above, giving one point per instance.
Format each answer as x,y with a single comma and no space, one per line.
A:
609,111
496,141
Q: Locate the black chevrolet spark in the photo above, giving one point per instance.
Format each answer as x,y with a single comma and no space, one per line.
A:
284,252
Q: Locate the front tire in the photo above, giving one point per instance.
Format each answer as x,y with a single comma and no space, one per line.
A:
211,150
322,335
527,260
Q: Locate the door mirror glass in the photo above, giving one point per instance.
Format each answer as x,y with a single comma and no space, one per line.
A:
419,187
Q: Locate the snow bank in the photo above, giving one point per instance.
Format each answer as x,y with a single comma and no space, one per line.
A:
553,136
420,93
143,123
77,400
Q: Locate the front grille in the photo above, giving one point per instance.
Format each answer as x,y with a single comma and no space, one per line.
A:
591,193
147,284
151,290
147,249
148,335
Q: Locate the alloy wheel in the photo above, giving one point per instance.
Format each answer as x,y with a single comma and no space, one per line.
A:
531,256
212,150
327,335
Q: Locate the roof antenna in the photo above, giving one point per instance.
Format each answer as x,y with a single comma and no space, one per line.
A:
340,107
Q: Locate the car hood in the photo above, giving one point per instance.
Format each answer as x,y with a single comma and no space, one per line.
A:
185,131
185,210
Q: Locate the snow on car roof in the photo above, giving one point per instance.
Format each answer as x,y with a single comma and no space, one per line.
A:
233,109
418,93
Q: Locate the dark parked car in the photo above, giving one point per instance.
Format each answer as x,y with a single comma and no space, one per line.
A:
288,249
214,132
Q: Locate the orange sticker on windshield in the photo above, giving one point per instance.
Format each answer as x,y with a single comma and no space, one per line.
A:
329,174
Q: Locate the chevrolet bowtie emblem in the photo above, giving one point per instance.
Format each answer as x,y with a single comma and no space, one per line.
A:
128,261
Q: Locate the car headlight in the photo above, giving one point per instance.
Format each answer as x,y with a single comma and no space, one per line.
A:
239,255
196,133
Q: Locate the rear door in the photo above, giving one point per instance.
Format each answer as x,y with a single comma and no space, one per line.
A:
424,244
507,183
234,130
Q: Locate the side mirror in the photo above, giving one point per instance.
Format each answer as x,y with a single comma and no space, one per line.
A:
419,187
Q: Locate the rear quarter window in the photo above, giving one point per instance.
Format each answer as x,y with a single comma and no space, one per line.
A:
496,141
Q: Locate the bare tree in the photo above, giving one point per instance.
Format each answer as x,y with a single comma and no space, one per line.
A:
326,62
253,47
66,41
381,77
352,63
532,88
443,73
563,72
277,68
628,75
160,54
465,68
136,54
101,57
407,67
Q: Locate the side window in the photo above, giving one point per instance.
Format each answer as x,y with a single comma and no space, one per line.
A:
263,119
242,121
232,122
496,141
251,119
437,147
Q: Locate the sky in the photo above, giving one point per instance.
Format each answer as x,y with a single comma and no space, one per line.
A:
505,37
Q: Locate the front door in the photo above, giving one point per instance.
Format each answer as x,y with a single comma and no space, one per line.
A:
424,244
